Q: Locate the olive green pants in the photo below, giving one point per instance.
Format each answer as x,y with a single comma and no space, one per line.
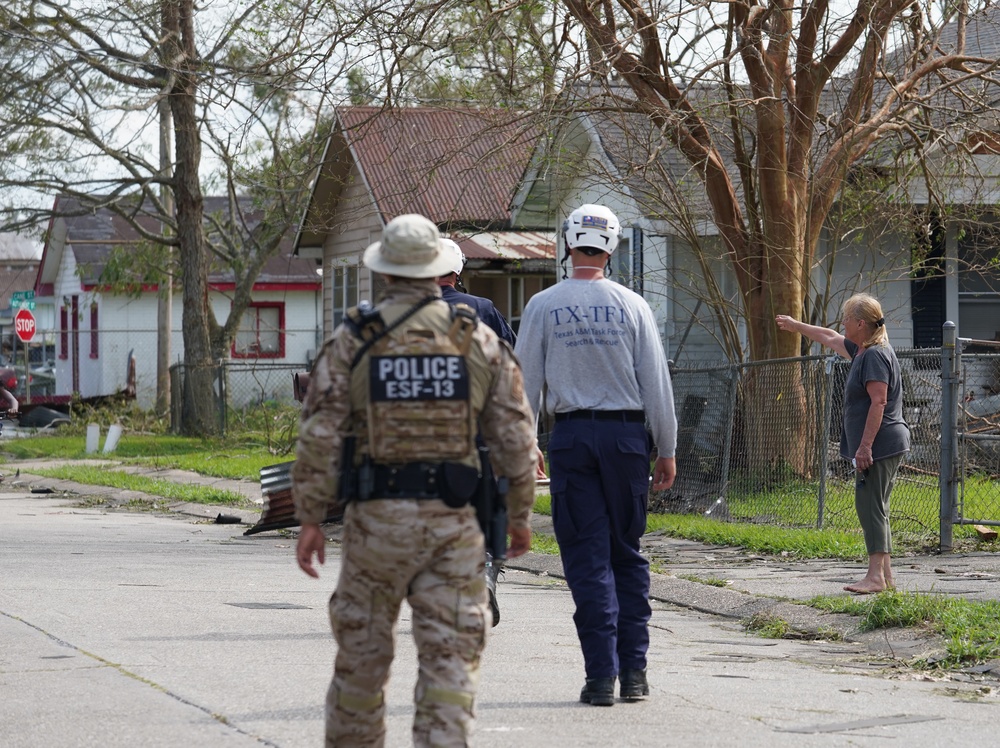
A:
871,500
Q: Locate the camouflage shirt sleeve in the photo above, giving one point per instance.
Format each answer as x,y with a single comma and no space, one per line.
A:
322,427
507,424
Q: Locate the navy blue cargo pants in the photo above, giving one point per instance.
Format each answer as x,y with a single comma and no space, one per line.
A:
600,485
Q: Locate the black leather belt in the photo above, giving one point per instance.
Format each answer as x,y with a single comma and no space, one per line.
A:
623,416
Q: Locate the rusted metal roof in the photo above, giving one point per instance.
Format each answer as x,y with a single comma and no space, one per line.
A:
508,245
455,166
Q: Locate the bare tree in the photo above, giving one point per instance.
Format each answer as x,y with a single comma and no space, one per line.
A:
247,83
795,129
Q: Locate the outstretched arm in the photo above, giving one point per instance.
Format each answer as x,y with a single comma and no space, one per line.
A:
822,335
12,404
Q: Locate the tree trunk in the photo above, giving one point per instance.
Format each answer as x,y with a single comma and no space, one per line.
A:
777,414
198,412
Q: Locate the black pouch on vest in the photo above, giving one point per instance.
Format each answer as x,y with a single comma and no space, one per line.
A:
458,484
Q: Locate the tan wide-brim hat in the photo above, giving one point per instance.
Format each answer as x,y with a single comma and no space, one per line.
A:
410,248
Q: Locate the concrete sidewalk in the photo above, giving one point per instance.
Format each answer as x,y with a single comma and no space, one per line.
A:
755,585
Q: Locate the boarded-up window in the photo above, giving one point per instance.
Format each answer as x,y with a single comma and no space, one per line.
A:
262,332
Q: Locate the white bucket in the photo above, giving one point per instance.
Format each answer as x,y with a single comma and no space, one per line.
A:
114,434
93,437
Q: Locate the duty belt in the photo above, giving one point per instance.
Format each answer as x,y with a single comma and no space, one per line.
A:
410,480
622,416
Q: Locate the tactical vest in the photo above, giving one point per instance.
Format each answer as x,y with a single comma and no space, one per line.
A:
415,397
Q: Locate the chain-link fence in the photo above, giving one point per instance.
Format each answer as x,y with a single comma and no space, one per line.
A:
239,388
94,363
760,443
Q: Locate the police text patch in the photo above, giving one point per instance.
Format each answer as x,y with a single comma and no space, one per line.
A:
424,377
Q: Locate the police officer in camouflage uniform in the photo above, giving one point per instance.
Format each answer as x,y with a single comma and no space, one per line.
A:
409,532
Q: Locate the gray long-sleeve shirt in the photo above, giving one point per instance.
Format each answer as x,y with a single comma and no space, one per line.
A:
595,345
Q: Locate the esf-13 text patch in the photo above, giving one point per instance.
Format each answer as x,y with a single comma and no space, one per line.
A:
422,377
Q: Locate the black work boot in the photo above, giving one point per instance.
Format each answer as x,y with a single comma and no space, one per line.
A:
598,691
492,572
633,685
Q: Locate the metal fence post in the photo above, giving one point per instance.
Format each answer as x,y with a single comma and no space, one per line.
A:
220,374
949,434
176,397
824,440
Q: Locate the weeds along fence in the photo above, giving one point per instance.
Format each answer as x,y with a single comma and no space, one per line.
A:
760,442
242,389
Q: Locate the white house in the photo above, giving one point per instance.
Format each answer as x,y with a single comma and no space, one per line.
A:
101,334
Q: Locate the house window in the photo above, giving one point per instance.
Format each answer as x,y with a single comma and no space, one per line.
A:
626,262
979,260
93,330
979,280
344,280
262,332
64,332
621,263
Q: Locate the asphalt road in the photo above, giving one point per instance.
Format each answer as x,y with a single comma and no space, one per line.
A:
143,629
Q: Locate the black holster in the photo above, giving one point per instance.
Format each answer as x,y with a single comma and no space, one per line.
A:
491,508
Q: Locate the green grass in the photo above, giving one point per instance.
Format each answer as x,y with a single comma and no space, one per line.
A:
915,503
217,458
768,626
541,543
117,479
777,521
710,581
759,538
971,629
801,543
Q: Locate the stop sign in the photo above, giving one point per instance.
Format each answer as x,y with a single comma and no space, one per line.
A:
24,325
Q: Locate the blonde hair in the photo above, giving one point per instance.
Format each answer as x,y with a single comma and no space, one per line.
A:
867,309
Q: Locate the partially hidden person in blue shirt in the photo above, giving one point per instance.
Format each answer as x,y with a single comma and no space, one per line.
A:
485,308
490,315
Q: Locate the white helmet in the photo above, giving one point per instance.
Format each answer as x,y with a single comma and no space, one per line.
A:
456,255
592,226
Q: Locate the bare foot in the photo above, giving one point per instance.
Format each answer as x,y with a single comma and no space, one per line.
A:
866,587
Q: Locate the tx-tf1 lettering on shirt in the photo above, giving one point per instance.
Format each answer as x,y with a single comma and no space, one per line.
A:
421,377
588,325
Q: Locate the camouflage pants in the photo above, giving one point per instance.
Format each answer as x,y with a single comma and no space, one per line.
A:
432,556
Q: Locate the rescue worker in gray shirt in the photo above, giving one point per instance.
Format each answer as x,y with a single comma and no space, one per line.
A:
594,347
